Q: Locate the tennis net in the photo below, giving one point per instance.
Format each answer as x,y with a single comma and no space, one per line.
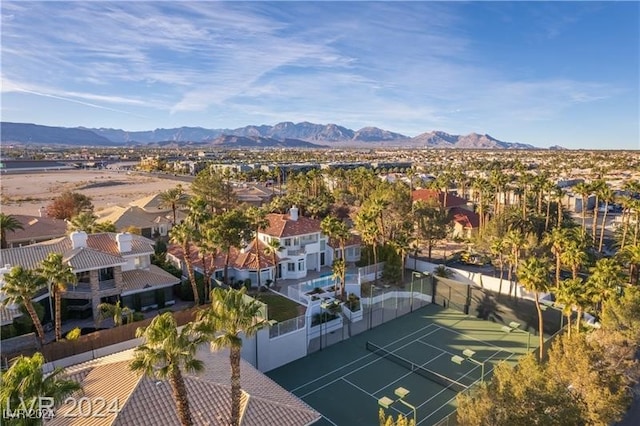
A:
418,369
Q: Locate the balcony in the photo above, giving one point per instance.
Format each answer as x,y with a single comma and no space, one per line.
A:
296,252
79,288
107,285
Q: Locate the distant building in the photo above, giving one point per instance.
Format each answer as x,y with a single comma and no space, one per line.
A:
36,229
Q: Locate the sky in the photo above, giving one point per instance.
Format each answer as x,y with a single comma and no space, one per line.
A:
543,73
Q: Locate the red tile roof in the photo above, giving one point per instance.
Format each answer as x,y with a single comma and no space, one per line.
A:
433,194
281,225
237,259
466,218
353,240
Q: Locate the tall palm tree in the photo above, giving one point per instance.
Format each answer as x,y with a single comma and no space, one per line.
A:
8,223
596,186
165,353
557,240
183,235
533,274
338,230
631,254
272,249
173,198
606,195
26,383
567,294
498,247
515,240
574,257
369,231
58,274
257,221
229,320
584,190
20,287
607,276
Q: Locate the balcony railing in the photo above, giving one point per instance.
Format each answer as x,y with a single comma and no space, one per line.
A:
79,287
107,284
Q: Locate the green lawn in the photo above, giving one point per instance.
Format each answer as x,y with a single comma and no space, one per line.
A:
280,308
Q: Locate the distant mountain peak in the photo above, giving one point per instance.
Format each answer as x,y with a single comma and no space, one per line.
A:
286,133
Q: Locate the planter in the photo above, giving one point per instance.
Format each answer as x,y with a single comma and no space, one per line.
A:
325,328
353,316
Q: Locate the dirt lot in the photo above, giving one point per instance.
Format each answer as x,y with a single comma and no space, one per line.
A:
26,193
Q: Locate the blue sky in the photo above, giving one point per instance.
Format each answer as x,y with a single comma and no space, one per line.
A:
564,73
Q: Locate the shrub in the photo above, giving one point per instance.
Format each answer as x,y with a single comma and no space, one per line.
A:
74,334
247,283
138,316
353,302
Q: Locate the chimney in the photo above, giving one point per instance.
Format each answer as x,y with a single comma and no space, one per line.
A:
78,239
125,242
293,213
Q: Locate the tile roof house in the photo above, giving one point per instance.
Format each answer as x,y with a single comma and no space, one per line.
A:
36,229
433,194
459,211
142,400
107,266
146,214
303,248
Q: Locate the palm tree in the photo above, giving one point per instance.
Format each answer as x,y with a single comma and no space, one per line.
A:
557,240
115,311
173,198
338,230
229,320
515,240
607,276
606,195
7,223
631,254
257,220
83,221
20,287
165,353
58,274
533,274
597,187
574,257
584,190
369,231
272,249
183,234
26,383
567,294
498,247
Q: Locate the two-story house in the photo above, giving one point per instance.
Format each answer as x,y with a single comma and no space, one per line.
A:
107,266
303,248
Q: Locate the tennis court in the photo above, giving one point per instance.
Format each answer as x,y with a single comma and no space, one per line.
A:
345,381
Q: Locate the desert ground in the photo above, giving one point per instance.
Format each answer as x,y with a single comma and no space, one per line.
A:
28,192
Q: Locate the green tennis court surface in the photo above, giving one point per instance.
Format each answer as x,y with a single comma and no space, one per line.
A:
345,381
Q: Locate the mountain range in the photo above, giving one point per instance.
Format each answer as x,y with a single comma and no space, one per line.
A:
284,135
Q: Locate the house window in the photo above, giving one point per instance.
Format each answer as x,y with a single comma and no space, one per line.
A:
356,252
301,265
291,267
287,242
296,241
83,277
106,274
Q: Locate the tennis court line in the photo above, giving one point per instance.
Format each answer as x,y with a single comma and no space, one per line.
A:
361,358
369,393
461,377
435,411
475,338
406,374
352,371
